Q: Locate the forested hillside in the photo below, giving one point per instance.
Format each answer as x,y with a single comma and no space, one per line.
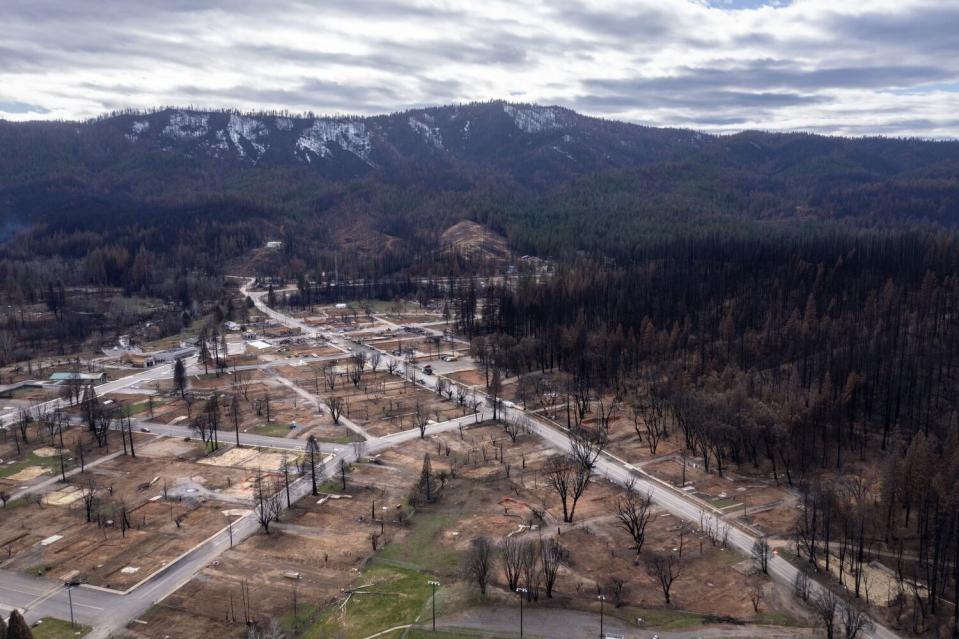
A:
551,180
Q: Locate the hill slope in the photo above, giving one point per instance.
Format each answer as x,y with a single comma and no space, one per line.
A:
549,178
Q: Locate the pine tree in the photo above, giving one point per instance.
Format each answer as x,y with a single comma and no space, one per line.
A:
179,377
3,628
427,479
18,627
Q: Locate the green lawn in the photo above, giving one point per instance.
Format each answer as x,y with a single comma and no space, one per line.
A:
400,597
135,409
51,628
777,619
52,463
418,550
465,633
661,618
272,429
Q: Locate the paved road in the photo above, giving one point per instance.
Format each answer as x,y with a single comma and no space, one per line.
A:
228,437
108,611
118,610
677,503
151,374
557,623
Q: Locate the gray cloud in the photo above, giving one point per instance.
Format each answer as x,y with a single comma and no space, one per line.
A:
809,65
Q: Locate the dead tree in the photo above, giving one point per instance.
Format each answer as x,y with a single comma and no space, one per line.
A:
634,512
335,405
761,552
586,446
421,418
855,621
531,573
479,563
357,367
266,501
511,555
569,479
313,450
552,556
665,570
826,605
330,375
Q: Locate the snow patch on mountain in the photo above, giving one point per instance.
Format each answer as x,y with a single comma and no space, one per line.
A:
186,126
284,124
221,146
349,136
533,119
138,127
431,134
243,128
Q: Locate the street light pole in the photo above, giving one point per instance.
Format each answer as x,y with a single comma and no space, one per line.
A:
521,592
602,605
434,584
69,587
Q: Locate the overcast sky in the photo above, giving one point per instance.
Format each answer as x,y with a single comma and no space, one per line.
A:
856,67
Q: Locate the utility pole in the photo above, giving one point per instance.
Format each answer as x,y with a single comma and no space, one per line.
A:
69,586
522,593
602,605
434,584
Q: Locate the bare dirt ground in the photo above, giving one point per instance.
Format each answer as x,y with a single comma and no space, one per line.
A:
325,540
494,488
171,504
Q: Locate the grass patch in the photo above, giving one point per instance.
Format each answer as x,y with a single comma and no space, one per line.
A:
778,618
400,596
50,463
135,409
661,618
273,429
724,502
455,633
419,550
305,616
50,628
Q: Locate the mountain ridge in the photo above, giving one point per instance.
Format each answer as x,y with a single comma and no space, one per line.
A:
546,177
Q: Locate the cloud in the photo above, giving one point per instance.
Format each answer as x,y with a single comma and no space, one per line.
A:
886,66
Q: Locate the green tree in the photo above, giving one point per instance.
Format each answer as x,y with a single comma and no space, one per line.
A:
179,377
18,628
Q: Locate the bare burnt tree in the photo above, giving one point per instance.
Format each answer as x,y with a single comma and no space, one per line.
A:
587,445
312,452
530,571
421,417
569,479
375,358
357,367
511,557
335,404
330,373
267,500
665,569
761,552
633,513
552,556
855,621
479,563
826,605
